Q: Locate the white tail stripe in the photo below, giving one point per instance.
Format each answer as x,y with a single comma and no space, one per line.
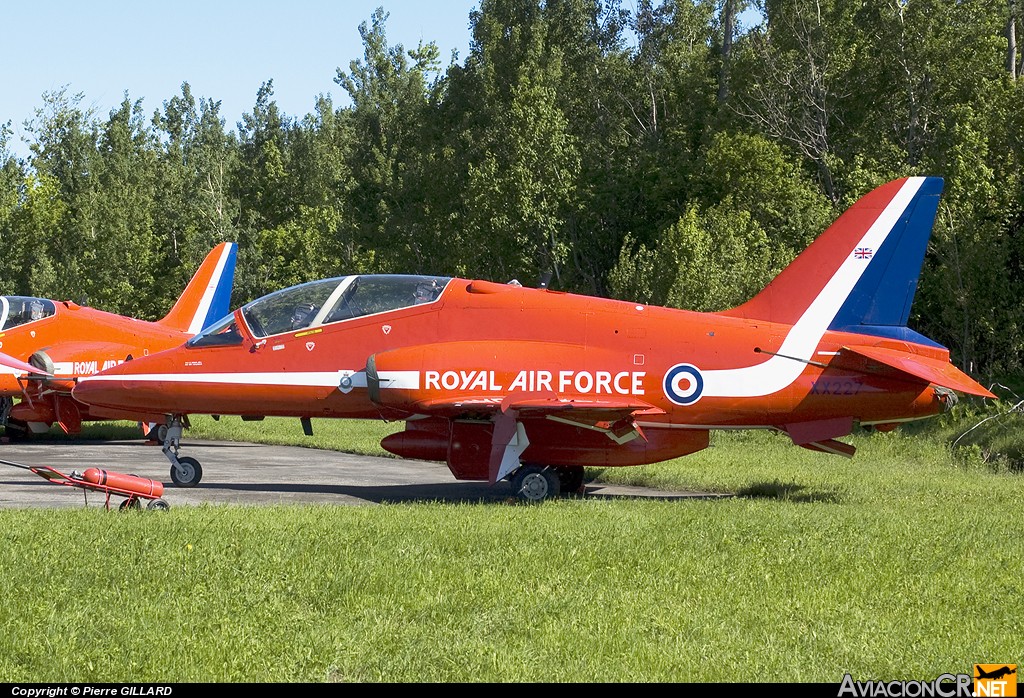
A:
778,372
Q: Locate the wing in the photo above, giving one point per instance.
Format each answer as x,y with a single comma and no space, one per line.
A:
488,380
616,419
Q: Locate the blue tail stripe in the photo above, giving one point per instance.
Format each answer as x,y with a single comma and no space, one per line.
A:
880,302
221,304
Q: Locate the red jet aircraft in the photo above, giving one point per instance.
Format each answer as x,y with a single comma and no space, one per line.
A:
66,341
501,381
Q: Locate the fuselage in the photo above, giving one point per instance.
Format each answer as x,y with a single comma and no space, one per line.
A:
481,341
70,342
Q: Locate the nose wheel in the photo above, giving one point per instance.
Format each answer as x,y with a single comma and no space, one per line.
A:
186,472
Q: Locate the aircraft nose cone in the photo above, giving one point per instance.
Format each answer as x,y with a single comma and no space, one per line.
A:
127,386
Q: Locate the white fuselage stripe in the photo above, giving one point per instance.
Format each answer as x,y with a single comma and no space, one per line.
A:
408,380
778,372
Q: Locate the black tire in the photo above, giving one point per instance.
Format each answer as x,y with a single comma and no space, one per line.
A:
17,430
535,483
193,473
130,504
570,478
158,505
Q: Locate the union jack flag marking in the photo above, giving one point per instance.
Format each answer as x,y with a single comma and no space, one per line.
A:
863,253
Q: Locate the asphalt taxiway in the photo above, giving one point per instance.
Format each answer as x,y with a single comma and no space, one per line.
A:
253,474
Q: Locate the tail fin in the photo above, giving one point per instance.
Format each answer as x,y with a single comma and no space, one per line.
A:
207,298
861,274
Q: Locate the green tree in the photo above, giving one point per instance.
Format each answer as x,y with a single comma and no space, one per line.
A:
324,183
796,67
195,207
760,176
64,152
705,261
120,257
41,211
12,176
523,165
392,93
271,246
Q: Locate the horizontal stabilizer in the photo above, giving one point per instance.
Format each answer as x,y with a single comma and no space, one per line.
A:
930,370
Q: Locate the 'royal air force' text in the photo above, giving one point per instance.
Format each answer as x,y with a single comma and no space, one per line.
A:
584,382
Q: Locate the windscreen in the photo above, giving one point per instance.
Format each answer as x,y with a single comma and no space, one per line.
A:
334,300
222,333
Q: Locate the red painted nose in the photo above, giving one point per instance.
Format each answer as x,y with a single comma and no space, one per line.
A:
133,385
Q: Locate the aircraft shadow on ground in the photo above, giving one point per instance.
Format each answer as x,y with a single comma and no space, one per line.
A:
456,492
787,491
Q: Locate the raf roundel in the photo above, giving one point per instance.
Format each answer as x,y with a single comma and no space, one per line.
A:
683,384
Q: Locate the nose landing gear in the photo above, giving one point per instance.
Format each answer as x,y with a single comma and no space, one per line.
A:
185,471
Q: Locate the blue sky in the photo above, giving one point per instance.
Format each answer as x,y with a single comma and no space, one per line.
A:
224,49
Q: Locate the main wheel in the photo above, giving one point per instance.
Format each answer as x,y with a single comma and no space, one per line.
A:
188,474
17,430
535,483
570,478
157,433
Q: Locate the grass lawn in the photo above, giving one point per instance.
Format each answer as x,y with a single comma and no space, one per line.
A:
901,563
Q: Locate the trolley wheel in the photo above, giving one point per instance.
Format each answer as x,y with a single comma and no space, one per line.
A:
128,504
158,505
187,473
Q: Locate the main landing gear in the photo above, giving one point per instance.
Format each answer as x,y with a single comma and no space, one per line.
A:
535,483
186,471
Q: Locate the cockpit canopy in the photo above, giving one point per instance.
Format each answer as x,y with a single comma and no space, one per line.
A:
19,310
324,302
